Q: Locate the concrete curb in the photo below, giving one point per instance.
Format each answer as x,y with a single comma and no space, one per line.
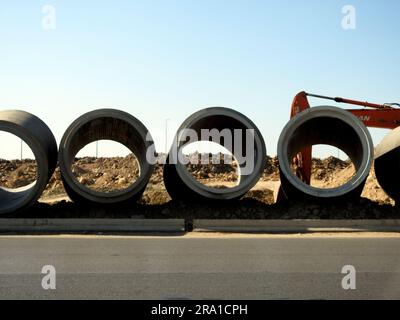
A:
199,225
94,225
300,226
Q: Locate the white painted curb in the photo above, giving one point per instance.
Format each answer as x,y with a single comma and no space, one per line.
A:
297,225
98,225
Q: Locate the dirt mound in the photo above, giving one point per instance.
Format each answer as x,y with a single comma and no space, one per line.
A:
111,174
271,169
106,174
326,168
210,168
17,173
374,192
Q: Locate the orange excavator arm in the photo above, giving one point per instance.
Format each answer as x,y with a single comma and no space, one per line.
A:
378,116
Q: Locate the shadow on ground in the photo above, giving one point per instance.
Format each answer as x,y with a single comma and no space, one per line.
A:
246,208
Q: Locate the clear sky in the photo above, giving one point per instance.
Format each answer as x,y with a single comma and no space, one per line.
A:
166,59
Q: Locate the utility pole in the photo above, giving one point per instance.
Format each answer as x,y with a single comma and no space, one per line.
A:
166,136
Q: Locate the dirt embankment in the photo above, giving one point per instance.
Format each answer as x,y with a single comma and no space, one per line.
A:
108,174
16,173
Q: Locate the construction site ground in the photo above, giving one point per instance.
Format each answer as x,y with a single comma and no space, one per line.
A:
110,174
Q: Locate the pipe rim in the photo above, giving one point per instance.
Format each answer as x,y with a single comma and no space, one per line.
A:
387,144
243,185
27,195
145,168
327,111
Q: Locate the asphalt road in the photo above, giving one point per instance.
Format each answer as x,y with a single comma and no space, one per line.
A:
199,268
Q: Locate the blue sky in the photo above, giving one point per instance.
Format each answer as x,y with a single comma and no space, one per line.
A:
165,59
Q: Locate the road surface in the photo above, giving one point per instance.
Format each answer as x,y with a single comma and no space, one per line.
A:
197,267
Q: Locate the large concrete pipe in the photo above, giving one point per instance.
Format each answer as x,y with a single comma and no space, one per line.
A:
329,126
387,161
40,139
179,182
105,124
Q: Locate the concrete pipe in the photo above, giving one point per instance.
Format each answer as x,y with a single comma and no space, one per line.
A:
330,126
387,160
37,135
105,124
180,183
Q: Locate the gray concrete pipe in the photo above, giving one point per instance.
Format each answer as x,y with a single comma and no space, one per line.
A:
181,185
105,124
387,160
330,126
37,135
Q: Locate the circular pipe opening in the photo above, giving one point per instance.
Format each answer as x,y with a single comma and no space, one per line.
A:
15,191
38,137
105,124
330,126
18,167
106,166
233,131
331,167
212,165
